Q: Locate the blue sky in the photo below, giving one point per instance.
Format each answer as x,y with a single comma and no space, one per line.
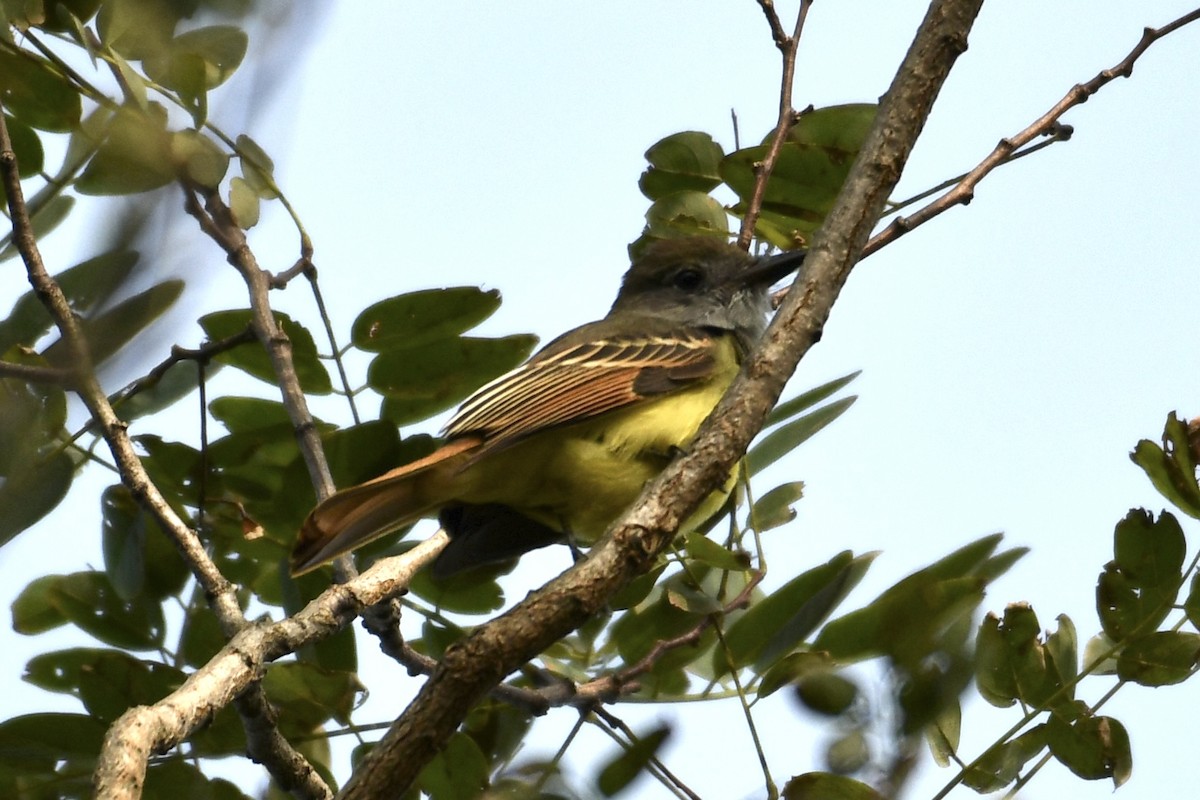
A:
1013,351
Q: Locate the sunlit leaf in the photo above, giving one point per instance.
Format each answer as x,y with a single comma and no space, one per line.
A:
687,161
257,168
945,734
199,158
138,29
775,507
135,155
243,203
36,93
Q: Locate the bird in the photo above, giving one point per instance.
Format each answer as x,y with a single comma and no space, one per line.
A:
556,449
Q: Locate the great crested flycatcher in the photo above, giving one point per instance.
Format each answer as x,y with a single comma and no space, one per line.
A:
557,448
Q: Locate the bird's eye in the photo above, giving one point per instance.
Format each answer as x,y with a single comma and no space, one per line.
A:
688,279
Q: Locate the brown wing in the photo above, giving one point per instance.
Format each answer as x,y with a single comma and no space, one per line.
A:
572,382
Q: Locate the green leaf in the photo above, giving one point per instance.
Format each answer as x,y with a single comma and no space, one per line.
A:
36,93
218,49
781,621
826,786
257,168
30,494
787,438
179,779
685,214
812,166
1092,747
1171,467
418,318
48,738
1191,606
1002,763
138,557
199,158
314,379
621,771
1161,658
802,402
827,693
945,734
792,668
705,550
138,29
34,610
107,681
45,218
162,391
908,621
134,157
774,508
687,161
59,13
1137,590
109,331
27,147
418,383
243,203
458,772
473,591
85,285
89,601
310,695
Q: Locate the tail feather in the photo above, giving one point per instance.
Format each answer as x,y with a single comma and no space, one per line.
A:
360,514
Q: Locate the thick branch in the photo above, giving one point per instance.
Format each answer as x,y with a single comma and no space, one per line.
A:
145,730
472,667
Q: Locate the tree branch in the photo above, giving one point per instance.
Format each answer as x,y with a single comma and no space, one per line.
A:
1045,125
474,665
787,115
145,730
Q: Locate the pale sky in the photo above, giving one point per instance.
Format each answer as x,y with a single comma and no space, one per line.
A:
1013,351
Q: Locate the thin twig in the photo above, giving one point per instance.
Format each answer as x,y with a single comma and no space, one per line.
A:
1047,124
655,766
31,373
788,47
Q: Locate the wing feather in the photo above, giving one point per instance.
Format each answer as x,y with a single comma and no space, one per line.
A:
564,384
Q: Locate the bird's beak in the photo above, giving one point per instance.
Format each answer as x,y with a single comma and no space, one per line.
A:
769,269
